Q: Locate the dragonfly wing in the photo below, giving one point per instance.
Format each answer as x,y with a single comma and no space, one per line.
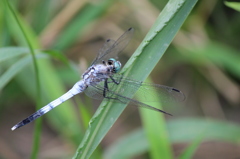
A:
111,49
128,86
125,100
106,46
95,92
111,95
77,88
164,93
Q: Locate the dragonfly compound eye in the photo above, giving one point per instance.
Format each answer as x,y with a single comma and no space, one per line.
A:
116,66
111,61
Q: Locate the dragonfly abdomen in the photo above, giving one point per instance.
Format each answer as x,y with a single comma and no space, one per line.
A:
77,88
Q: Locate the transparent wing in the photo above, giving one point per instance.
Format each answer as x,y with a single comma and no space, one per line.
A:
163,93
95,93
111,49
106,46
115,92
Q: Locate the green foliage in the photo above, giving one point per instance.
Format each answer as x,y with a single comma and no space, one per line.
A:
233,5
202,61
189,130
36,70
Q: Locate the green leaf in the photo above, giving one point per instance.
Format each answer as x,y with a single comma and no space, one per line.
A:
76,27
64,119
138,67
219,54
41,14
58,55
156,131
133,144
29,40
191,149
182,130
189,128
223,56
7,53
17,31
233,5
16,68
52,88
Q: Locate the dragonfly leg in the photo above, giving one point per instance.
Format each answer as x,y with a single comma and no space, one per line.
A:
116,82
106,89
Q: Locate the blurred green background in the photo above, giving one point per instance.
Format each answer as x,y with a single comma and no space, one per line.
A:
203,61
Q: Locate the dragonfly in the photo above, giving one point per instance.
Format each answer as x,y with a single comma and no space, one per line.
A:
102,80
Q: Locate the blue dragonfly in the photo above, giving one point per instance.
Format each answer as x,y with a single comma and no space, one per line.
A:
102,81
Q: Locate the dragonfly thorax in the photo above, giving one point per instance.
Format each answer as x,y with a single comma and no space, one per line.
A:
100,72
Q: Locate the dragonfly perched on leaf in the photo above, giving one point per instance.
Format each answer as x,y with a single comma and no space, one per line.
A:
103,81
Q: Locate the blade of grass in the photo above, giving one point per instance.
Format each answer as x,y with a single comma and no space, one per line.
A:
56,25
38,98
65,119
59,56
139,67
219,54
16,68
16,31
11,52
222,55
4,30
189,128
123,147
180,131
76,27
233,5
191,149
156,131
41,13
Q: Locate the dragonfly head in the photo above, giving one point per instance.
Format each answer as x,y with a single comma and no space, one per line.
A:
116,65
